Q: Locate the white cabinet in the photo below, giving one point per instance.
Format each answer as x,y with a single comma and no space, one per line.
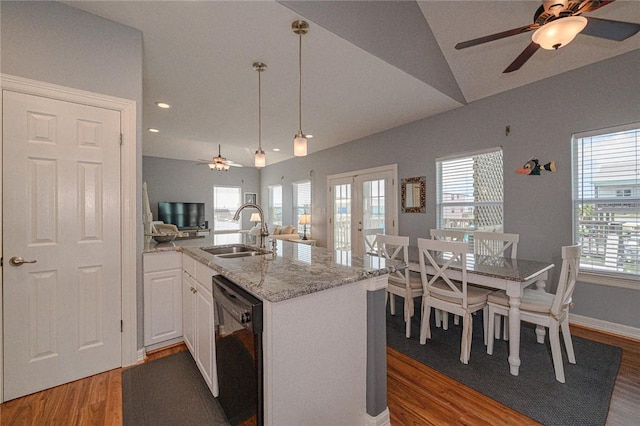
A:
198,318
162,297
188,311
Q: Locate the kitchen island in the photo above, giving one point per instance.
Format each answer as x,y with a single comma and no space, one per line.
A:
324,339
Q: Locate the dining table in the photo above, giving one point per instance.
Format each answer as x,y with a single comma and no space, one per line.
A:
499,273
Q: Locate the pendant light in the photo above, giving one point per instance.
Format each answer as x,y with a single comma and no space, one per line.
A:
300,139
259,160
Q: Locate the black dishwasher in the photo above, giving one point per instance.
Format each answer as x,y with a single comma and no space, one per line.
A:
239,352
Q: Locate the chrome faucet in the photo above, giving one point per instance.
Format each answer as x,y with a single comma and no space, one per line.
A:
264,231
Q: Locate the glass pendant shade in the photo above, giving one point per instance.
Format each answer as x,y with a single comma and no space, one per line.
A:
559,33
260,159
300,145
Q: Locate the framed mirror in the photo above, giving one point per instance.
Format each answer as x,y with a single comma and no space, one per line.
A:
414,195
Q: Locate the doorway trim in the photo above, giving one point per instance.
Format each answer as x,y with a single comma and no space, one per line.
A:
128,198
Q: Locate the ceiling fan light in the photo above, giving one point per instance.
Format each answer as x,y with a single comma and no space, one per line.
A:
559,33
260,159
300,145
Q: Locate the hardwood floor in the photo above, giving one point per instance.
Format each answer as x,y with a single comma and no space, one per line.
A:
417,395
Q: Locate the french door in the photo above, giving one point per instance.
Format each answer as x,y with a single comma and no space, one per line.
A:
361,205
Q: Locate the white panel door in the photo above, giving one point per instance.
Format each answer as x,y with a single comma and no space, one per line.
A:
61,201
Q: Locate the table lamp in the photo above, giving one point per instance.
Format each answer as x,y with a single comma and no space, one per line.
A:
255,218
305,219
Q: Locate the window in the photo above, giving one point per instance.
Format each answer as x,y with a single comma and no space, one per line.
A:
470,189
606,200
301,203
275,205
226,201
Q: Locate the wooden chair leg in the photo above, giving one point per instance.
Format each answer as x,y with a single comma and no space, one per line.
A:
392,301
505,333
438,317
556,353
407,321
485,320
568,344
425,329
492,326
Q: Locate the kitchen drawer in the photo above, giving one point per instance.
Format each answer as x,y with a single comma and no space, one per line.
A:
204,274
162,261
189,265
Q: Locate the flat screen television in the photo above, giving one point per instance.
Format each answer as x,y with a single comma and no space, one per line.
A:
183,215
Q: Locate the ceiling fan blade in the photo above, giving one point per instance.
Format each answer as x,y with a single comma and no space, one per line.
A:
611,30
234,165
589,7
522,58
497,36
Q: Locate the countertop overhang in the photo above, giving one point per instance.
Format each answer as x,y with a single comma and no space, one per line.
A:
296,269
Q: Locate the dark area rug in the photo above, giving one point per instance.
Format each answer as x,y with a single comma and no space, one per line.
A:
168,391
583,400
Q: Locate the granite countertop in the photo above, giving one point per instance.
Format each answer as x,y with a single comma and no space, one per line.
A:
296,270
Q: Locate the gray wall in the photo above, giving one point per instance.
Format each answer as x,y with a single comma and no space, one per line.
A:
54,43
185,181
542,116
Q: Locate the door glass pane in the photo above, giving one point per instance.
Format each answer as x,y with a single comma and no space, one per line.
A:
342,217
373,211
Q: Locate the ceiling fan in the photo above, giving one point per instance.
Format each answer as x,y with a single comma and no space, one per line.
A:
219,163
556,23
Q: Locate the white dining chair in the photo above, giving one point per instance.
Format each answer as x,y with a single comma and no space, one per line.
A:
404,283
448,235
496,244
445,294
545,309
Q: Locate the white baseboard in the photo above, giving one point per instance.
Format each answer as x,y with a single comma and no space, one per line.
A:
140,354
382,419
606,326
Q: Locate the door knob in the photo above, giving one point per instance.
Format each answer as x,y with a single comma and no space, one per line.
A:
17,261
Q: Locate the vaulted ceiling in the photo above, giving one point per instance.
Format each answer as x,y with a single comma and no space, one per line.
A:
367,66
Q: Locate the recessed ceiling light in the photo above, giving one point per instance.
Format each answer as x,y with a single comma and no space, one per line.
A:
276,149
152,130
163,105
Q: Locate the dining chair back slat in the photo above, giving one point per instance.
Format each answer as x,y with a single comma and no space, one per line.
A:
369,236
496,244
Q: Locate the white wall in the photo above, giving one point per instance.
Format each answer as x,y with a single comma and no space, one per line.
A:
54,43
542,116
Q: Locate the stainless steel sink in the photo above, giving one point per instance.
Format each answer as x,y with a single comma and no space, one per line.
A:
235,250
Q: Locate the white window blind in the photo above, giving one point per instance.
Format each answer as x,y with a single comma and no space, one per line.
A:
606,201
275,205
301,202
470,192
